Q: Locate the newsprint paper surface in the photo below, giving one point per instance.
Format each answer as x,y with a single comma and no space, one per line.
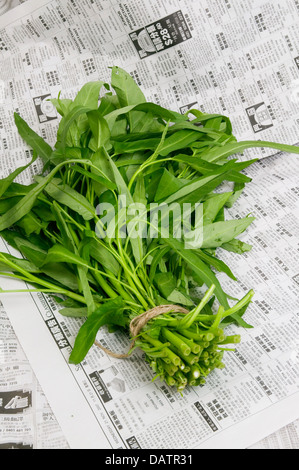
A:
236,57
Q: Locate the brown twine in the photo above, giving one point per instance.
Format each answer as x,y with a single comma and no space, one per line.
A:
139,322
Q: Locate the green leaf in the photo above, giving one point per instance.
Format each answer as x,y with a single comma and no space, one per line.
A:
40,147
137,146
108,104
207,168
69,153
168,185
100,130
89,95
199,268
213,121
158,256
166,283
213,205
8,203
60,273
100,253
62,105
27,202
64,230
200,165
6,182
32,252
237,318
153,108
139,195
236,246
216,234
186,126
16,190
75,120
126,88
178,141
66,125
238,190
69,197
110,313
80,312
95,176
115,175
148,123
22,263
195,191
36,257
43,211
216,263
128,93
120,127
30,223
14,236
60,254
239,147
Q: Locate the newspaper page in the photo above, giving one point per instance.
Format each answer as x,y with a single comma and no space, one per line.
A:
237,58
26,419
285,438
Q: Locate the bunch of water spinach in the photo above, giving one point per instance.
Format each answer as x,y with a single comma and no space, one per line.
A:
127,216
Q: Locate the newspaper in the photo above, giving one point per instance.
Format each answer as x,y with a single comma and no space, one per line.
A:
285,438
26,419
233,57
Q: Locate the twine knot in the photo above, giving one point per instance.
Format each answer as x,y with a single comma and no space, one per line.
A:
139,322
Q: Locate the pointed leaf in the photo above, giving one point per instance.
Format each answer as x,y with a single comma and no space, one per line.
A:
110,313
216,234
100,130
69,197
6,182
202,271
36,142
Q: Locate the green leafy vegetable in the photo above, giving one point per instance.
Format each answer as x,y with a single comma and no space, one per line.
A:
128,215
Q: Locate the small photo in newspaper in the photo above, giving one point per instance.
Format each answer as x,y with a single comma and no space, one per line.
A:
15,402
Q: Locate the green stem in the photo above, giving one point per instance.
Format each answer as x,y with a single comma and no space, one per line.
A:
104,285
195,348
151,159
242,303
35,280
172,356
48,291
116,283
187,321
233,339
218,317
176,341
